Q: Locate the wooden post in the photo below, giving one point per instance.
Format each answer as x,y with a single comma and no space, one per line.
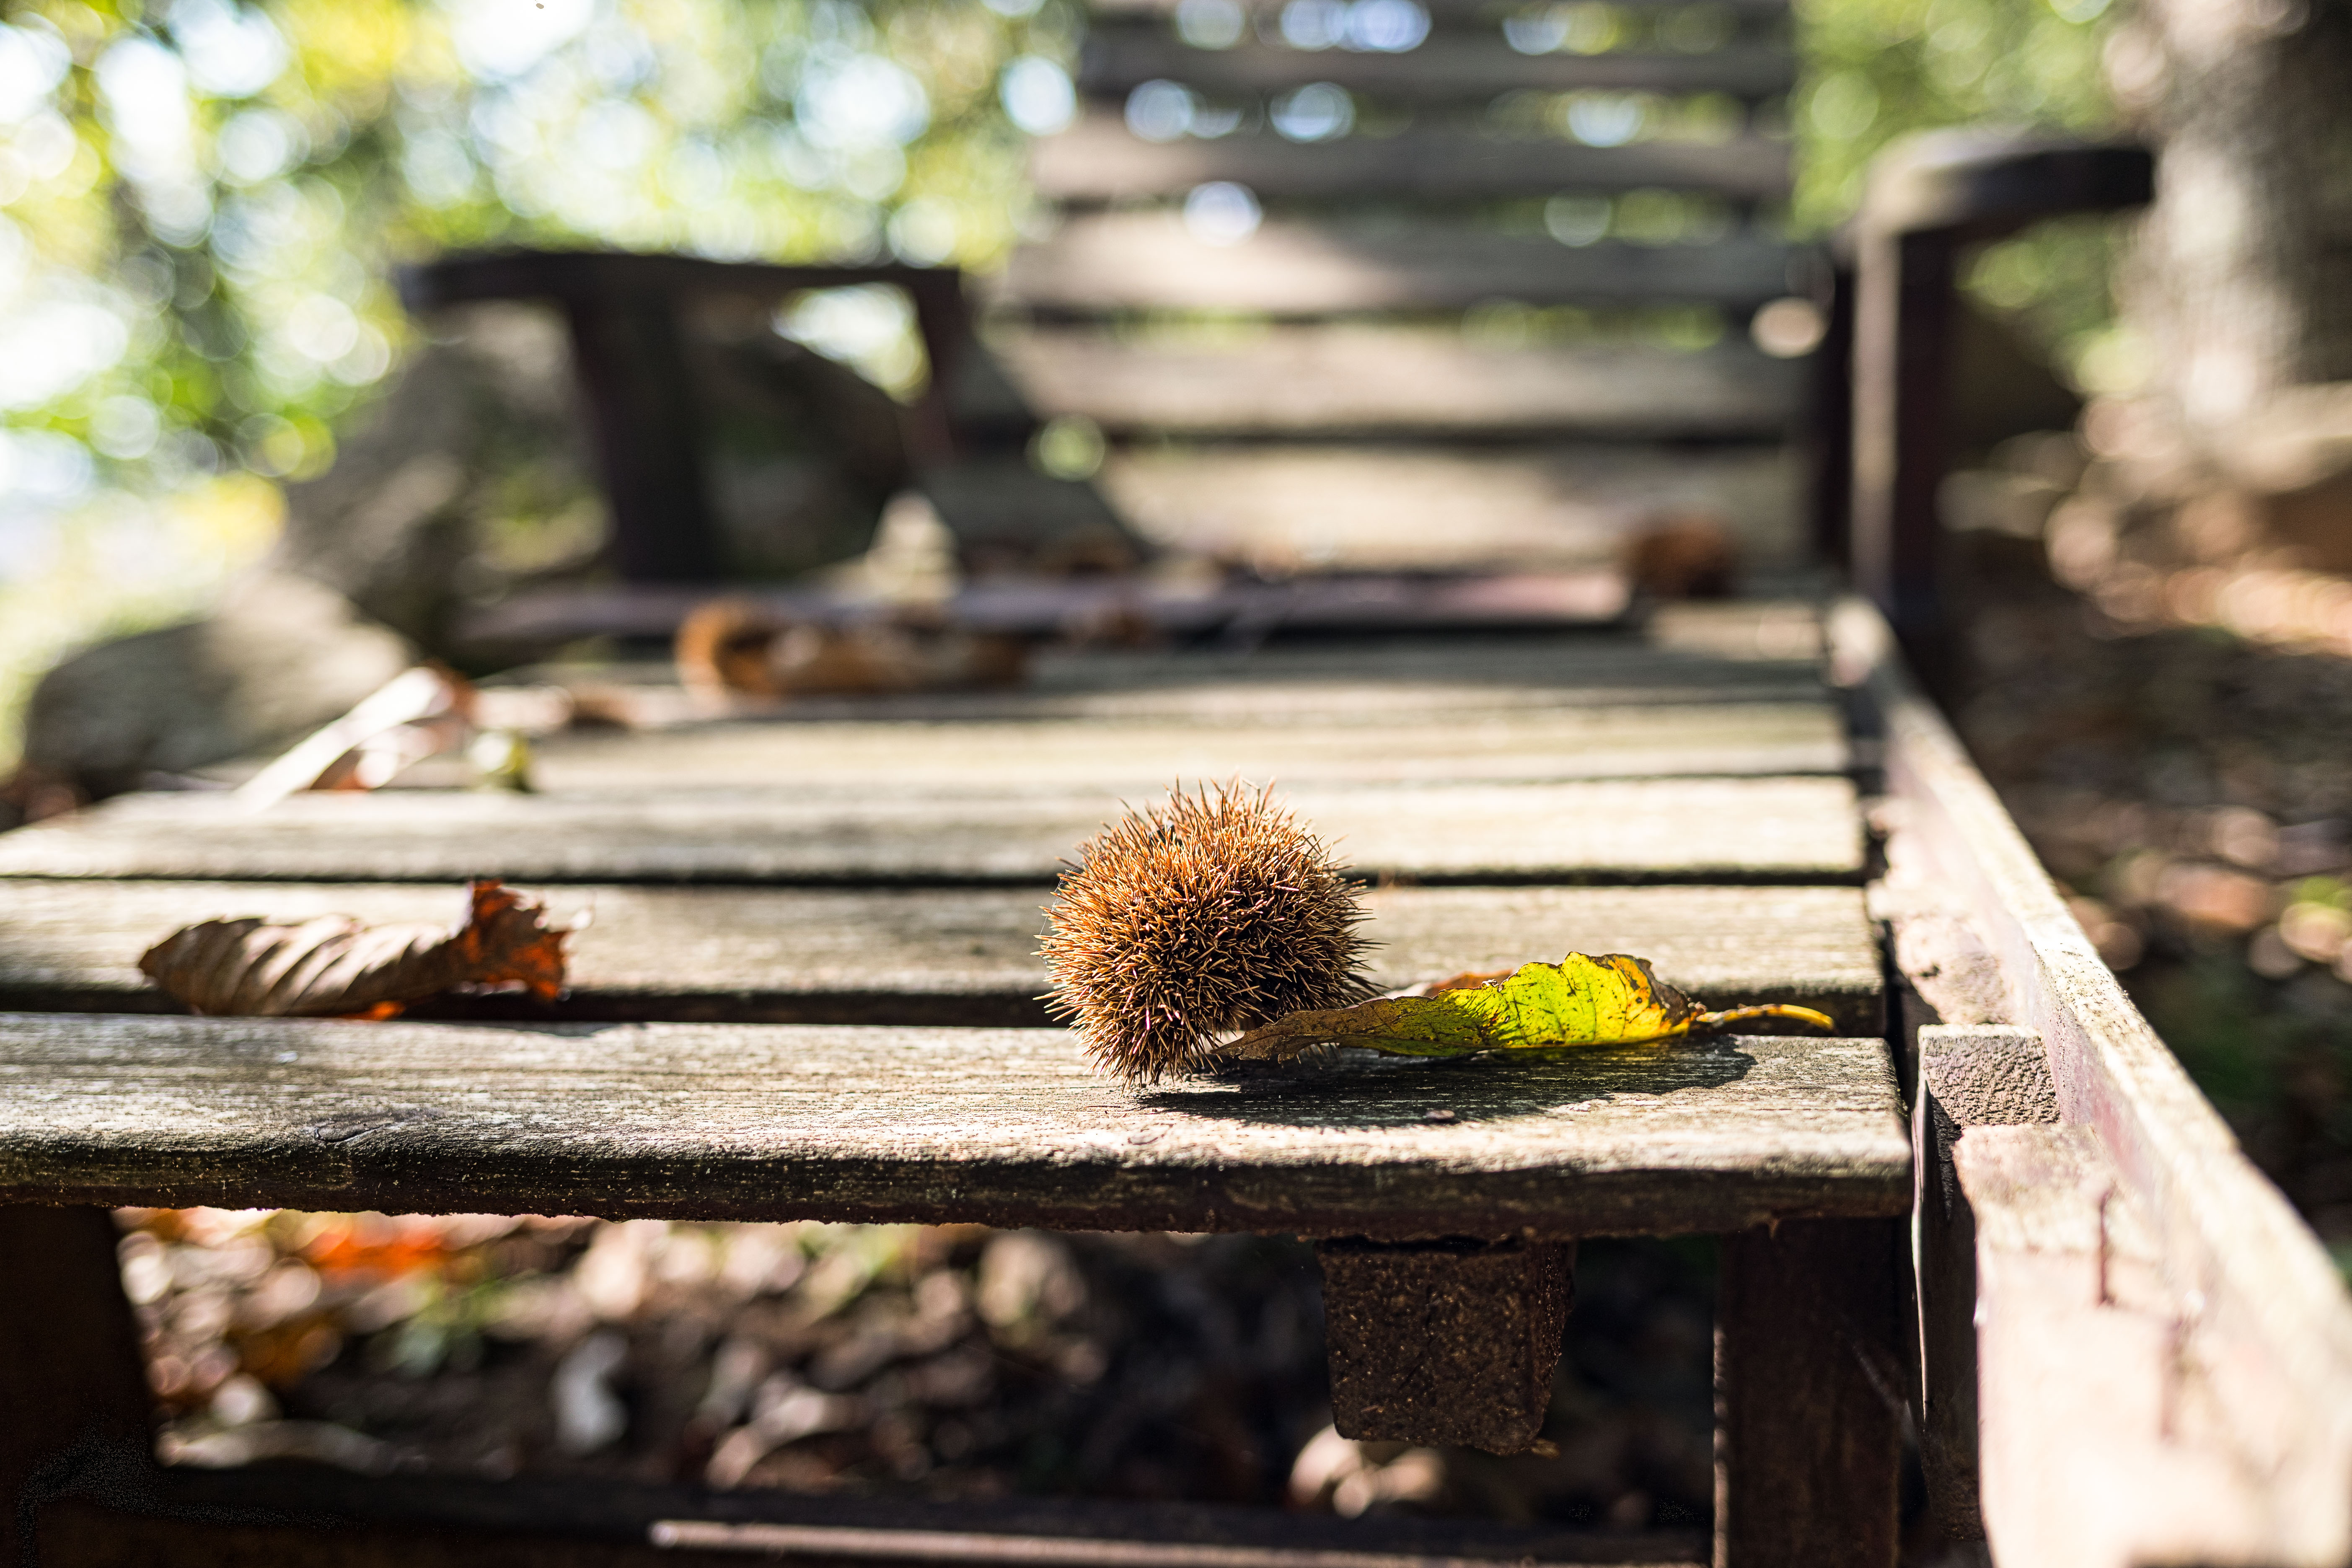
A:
1446,1342
1986,1075
633,374
1808,1437
1927,197
74,1413
1902,335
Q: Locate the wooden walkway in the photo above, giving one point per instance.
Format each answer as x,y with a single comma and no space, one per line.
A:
810,988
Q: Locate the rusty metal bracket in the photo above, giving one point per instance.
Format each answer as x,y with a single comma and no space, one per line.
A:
1449,1342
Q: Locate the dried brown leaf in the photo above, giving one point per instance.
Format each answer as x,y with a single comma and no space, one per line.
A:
336,966
734,648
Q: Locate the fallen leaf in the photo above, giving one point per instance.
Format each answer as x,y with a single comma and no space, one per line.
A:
733,649
416,714
337,967
1611,1000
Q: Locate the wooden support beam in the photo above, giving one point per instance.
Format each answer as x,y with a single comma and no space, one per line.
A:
75,1414
1973,1075
1446,1342
1808,1435
1691,830
314,1518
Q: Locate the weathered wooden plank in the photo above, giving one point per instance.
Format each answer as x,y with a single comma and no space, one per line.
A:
1809,1442
1973,1075
993,1126
1097,159
1447,69
1682,830
1398,508
2098,1445
1697,652
1351,379
1142,260
2260,1361
1135,758
960,955
988,525
362,1522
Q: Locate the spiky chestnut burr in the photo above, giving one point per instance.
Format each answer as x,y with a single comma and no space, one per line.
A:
1208,913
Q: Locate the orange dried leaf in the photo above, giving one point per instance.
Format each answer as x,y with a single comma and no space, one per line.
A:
337,967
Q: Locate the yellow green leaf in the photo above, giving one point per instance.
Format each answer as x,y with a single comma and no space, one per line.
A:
1612,1000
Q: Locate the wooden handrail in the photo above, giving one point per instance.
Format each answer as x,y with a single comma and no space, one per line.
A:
1928,197
2253,1390
622,312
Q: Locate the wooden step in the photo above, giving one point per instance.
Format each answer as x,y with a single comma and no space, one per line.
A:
1097,159
1449,68
1003,1127
1473,11
1304,381
1149,260
965,956
1397,507
1675,830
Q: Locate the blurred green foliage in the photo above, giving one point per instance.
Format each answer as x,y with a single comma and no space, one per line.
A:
201,200
1876,70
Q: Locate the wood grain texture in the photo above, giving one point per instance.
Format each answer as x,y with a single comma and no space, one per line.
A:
1809,1442
1978,1075
1448,67
960,955
2270,1306
1683,830
1140,260
1698,651
1099,161
1399,507
2099,1447
997,1127
1133,759
1349,379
